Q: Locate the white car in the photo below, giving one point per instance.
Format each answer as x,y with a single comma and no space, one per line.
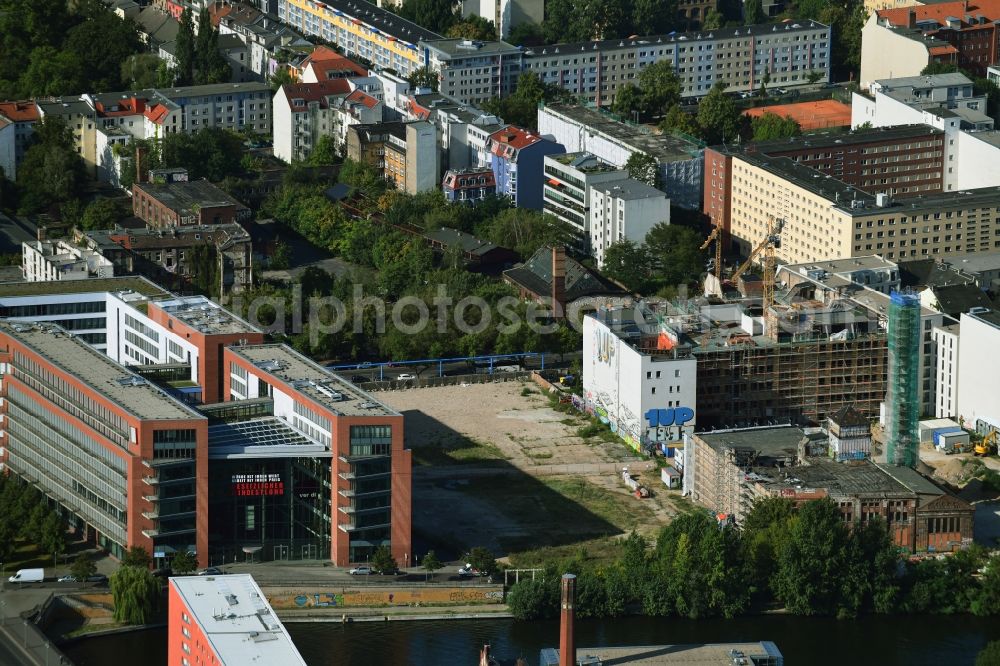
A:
361,571
406,377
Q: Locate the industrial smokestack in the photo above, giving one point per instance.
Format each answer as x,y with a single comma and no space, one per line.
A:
558,281
567,643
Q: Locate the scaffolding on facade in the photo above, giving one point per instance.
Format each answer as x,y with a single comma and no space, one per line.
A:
902,402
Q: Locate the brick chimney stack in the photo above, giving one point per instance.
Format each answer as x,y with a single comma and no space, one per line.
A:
567,643
558,281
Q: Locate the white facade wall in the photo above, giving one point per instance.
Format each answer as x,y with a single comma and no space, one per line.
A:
978,370
8,150
979,165
946,351
622,385
614,219
282,127
134,351
887,54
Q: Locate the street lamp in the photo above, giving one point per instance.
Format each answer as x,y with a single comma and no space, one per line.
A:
25,632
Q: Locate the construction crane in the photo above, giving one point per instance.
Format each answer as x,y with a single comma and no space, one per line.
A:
771,241
716,236
988,445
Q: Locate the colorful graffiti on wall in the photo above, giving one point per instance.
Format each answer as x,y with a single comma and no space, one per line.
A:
388,596
668,425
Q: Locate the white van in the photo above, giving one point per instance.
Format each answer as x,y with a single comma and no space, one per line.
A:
28,576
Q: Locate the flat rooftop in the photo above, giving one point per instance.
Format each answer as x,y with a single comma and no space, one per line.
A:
872,262
719,654
138,285
836,139
187,197
384,20
313,380
205,316
115,382
663,147
460,48
268,437
768,441
236,619
857,477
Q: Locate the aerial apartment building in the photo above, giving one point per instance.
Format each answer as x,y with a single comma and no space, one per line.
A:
825,218
903,161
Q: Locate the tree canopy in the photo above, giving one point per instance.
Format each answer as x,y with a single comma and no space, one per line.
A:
718,116
772,126
52,173
47,48
521,107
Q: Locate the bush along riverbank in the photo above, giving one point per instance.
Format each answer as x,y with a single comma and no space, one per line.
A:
806,560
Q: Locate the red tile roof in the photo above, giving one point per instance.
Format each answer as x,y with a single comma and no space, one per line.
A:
314,92
361,97
325,60
942,50
157,113
941,11
416,110
514,137
22,111
127,107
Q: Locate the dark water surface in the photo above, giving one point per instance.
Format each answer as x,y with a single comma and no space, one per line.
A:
881,641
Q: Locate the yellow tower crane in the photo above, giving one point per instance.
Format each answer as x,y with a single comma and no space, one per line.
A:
771,241
716,236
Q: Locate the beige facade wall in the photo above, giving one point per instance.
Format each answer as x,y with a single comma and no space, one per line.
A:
817,229
814,229
872,6
886,54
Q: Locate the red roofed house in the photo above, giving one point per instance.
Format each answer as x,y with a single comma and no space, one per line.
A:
324,64
516,157
17,124
306,112
902,41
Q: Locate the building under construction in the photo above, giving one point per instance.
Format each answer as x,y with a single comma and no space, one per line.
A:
902,403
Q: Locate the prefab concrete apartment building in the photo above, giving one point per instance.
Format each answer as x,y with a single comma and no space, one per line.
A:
177,429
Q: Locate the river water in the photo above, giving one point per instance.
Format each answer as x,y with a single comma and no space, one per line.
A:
878,640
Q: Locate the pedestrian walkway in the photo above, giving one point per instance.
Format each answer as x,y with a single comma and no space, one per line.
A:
23,644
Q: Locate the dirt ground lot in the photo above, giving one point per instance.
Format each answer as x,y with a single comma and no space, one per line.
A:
498,465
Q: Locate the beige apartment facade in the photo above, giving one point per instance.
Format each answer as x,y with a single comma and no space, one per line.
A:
826,219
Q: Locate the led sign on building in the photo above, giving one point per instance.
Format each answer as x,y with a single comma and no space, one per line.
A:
256,485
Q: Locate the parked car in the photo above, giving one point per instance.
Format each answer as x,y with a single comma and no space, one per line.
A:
406,377
468,571
28,576
357,379
212,571
388,572
361,571
96,578
781,91
68,578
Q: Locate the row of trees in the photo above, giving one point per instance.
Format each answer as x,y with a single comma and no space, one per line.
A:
669,257
199,60
211,153
29,517
807,560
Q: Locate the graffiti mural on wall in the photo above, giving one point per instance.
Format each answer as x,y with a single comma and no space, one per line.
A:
402,596
668,425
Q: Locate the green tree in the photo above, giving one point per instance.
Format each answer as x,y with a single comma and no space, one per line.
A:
431,563
814,76
989,655
185,49
719,116
282,256
325,152
772,126
383,561
812,561
521,107
281,76
211,65
53,535
52,172
435,15
661,88
675,255
753,12
83,567
629,264
100,44
628,102
643,167
424,78
678,120
135,592
482,560
137,556
102,213
654,17
184,562
939,68
141,70
526,34
533,599
713,19
473,27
